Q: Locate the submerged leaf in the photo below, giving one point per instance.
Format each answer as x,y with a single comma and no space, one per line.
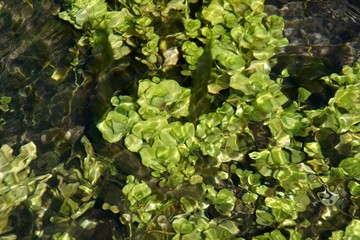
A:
183,226
214,13
166,98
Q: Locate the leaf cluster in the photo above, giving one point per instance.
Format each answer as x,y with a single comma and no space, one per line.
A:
275,178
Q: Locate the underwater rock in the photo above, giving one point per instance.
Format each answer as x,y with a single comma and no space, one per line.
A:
328,29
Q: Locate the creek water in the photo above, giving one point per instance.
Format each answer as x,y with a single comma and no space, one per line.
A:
53,104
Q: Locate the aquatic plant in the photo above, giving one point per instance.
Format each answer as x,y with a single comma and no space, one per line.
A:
230,156
18,185
281,182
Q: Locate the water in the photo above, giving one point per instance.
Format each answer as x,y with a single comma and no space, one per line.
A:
54,104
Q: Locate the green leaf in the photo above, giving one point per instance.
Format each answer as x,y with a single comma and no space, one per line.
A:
194,235
178,5
252,85
226,229
269,101
92,168
164,98
167,137
294,235
183,226
264,54
347,121
292,178
263,155
231,61
224,201
303,94
88,11
62,236
257,5
352,231
148,129
337,235
119,49
4,103
192,25
211,234
133,143
114,127
264,218
135,190
351,167
277,235
189,204
14,170
168,155
191,52
118,122
118,18
354,188
214,13
18,184
149,159
67,190
350,76
313,149
279,156
348,98
196,179
249,197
